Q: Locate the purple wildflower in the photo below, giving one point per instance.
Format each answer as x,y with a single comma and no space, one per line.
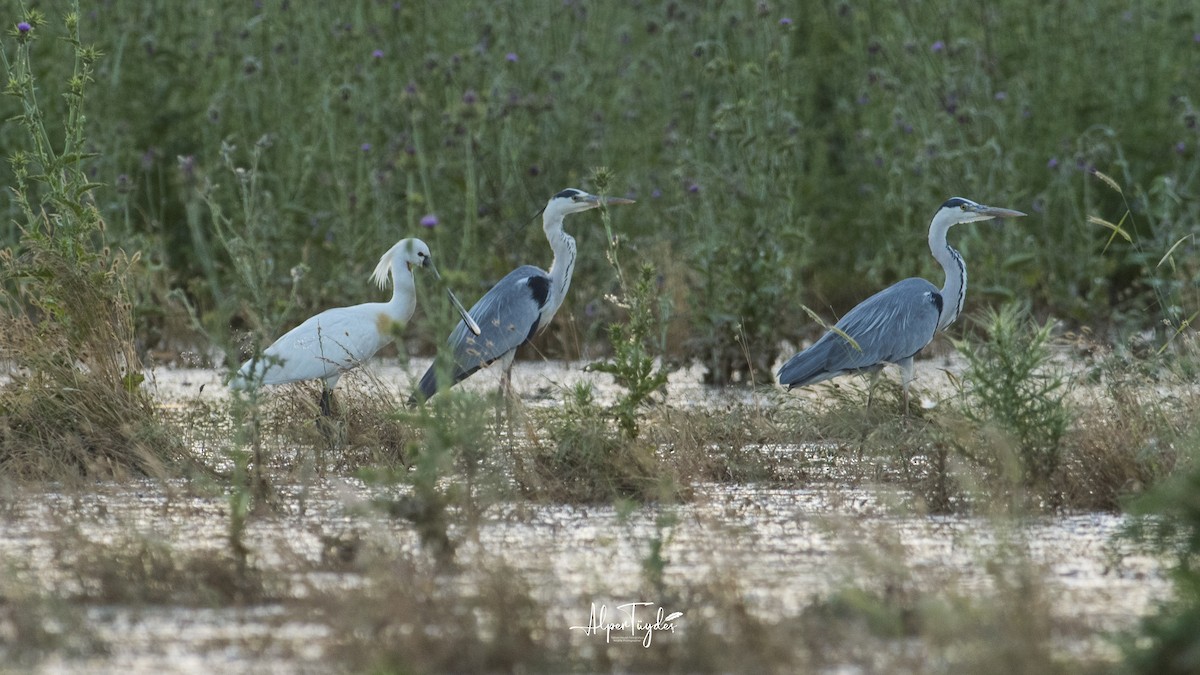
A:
785,21
24,27
365,147
1001,96
187,166
429,220
938,46
469,97
1181,147
1052,164
655,193
377,54
693,188
511,57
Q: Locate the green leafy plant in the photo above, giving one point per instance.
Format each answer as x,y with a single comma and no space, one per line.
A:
74,405
637,361
1014,387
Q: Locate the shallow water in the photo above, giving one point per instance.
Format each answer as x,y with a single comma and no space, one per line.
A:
785,546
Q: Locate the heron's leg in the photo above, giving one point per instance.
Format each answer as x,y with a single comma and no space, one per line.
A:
326,402
506,393
872,379
506,382
906,378
506,365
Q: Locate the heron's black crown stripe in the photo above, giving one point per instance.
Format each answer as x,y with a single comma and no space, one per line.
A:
955,202
569,192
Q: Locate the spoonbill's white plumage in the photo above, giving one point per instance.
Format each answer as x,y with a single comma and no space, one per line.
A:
340,339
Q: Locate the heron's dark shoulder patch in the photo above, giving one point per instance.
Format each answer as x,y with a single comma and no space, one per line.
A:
539,288
937,301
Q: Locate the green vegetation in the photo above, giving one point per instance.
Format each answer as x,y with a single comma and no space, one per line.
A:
1169,641
74,405
778,160
197,178
1014,385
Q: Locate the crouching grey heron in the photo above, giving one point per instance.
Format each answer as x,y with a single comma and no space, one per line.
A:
520,304
897,322
339,339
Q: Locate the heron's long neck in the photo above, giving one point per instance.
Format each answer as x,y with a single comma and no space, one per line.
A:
404,296
563,266
955,289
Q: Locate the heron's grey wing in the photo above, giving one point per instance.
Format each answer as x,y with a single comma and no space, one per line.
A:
888,327
508,316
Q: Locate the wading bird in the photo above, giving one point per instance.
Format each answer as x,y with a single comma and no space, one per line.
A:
340,339
521,304
897,322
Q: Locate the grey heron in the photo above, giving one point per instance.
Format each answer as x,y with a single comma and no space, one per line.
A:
337,340
520,304
899,321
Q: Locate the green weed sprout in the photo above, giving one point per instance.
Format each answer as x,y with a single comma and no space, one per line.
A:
639,343
1014,386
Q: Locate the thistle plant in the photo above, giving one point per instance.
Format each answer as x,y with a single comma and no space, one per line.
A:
75,405
1014,387
639,343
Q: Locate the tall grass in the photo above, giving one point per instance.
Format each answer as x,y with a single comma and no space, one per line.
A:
779,159
73,403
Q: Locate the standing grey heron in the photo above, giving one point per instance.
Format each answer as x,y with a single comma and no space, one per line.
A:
897,322
520,304
340,339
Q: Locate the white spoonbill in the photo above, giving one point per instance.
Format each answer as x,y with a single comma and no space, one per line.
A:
340,339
